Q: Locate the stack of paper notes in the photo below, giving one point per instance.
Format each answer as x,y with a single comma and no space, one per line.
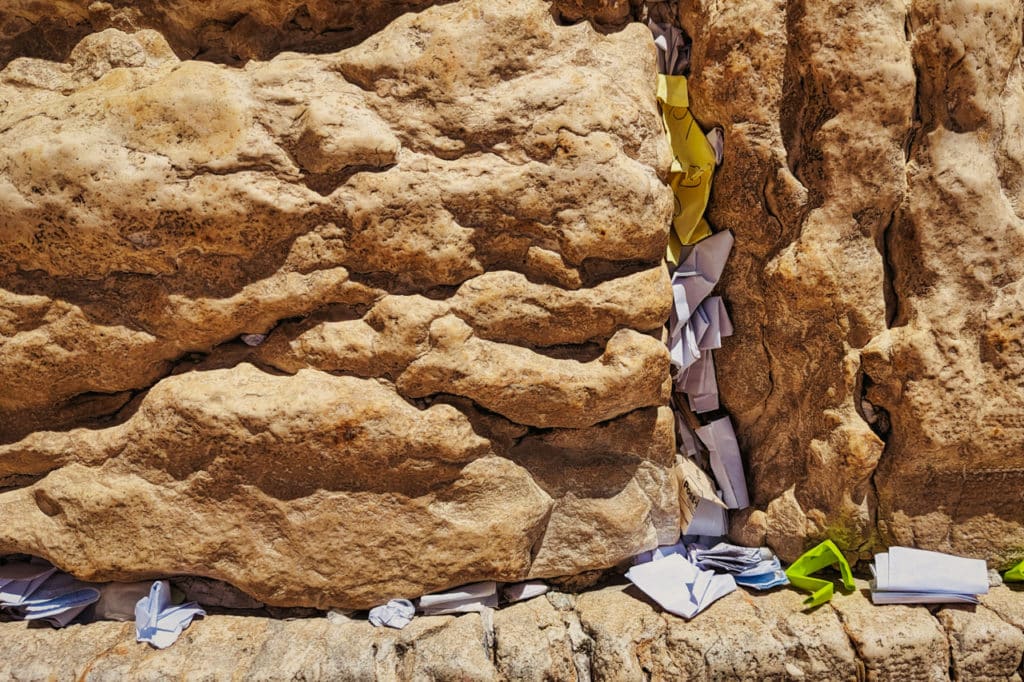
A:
35,590
754,567
915,576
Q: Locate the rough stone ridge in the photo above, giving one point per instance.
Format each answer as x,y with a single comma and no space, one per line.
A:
872,178
608,634
451,235
233,31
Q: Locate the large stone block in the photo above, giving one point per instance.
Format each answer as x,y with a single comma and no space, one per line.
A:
450,235
872,178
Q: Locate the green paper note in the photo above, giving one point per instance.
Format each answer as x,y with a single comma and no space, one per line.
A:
824,555
1015,574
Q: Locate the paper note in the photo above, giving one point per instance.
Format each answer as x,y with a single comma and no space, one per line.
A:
15,591
523,591
905,575
755,567
673,48
397,613
716,138
693,162
678,586
764,576
1015,574
701,268
465,599
824,555
117,600
726,463
159,622
703,512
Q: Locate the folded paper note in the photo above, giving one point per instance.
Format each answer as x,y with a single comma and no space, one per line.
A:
824,555
698,323
465,599
397,613
159,622
1015,574
35,590
117,600
755,567
726,463
673,48
905,575
19,580
678,586
703,512
693,162
764,576
728,558
660,553
716,138
523,591
699,272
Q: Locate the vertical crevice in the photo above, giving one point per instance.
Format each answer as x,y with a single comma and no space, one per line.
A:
883,242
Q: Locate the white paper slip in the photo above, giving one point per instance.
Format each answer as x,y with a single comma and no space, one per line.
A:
397,613
726,463
465,599
879,597
157,621
523,591
16,592
904,569
709,520
678,586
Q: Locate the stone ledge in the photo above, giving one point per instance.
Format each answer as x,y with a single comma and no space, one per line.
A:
607,634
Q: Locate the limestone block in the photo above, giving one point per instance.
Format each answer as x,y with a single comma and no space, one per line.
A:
871,174
452,250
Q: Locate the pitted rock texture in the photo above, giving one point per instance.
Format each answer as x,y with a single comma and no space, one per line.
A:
451,234
872,177
608,634
234,31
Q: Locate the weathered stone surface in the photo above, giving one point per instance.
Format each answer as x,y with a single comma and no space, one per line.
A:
982,646
236,30
218,30
872,178
455,258
922,652
602,635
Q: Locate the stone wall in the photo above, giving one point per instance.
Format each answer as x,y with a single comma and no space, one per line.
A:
450,226
451,236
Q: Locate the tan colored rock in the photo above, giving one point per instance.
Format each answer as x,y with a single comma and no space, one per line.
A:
870,178
497,304
628,635
607,634
233,30
366,210
531,643
630,374
982,646
223,30
923,652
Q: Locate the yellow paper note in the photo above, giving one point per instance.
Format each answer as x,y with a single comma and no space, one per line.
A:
693,164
